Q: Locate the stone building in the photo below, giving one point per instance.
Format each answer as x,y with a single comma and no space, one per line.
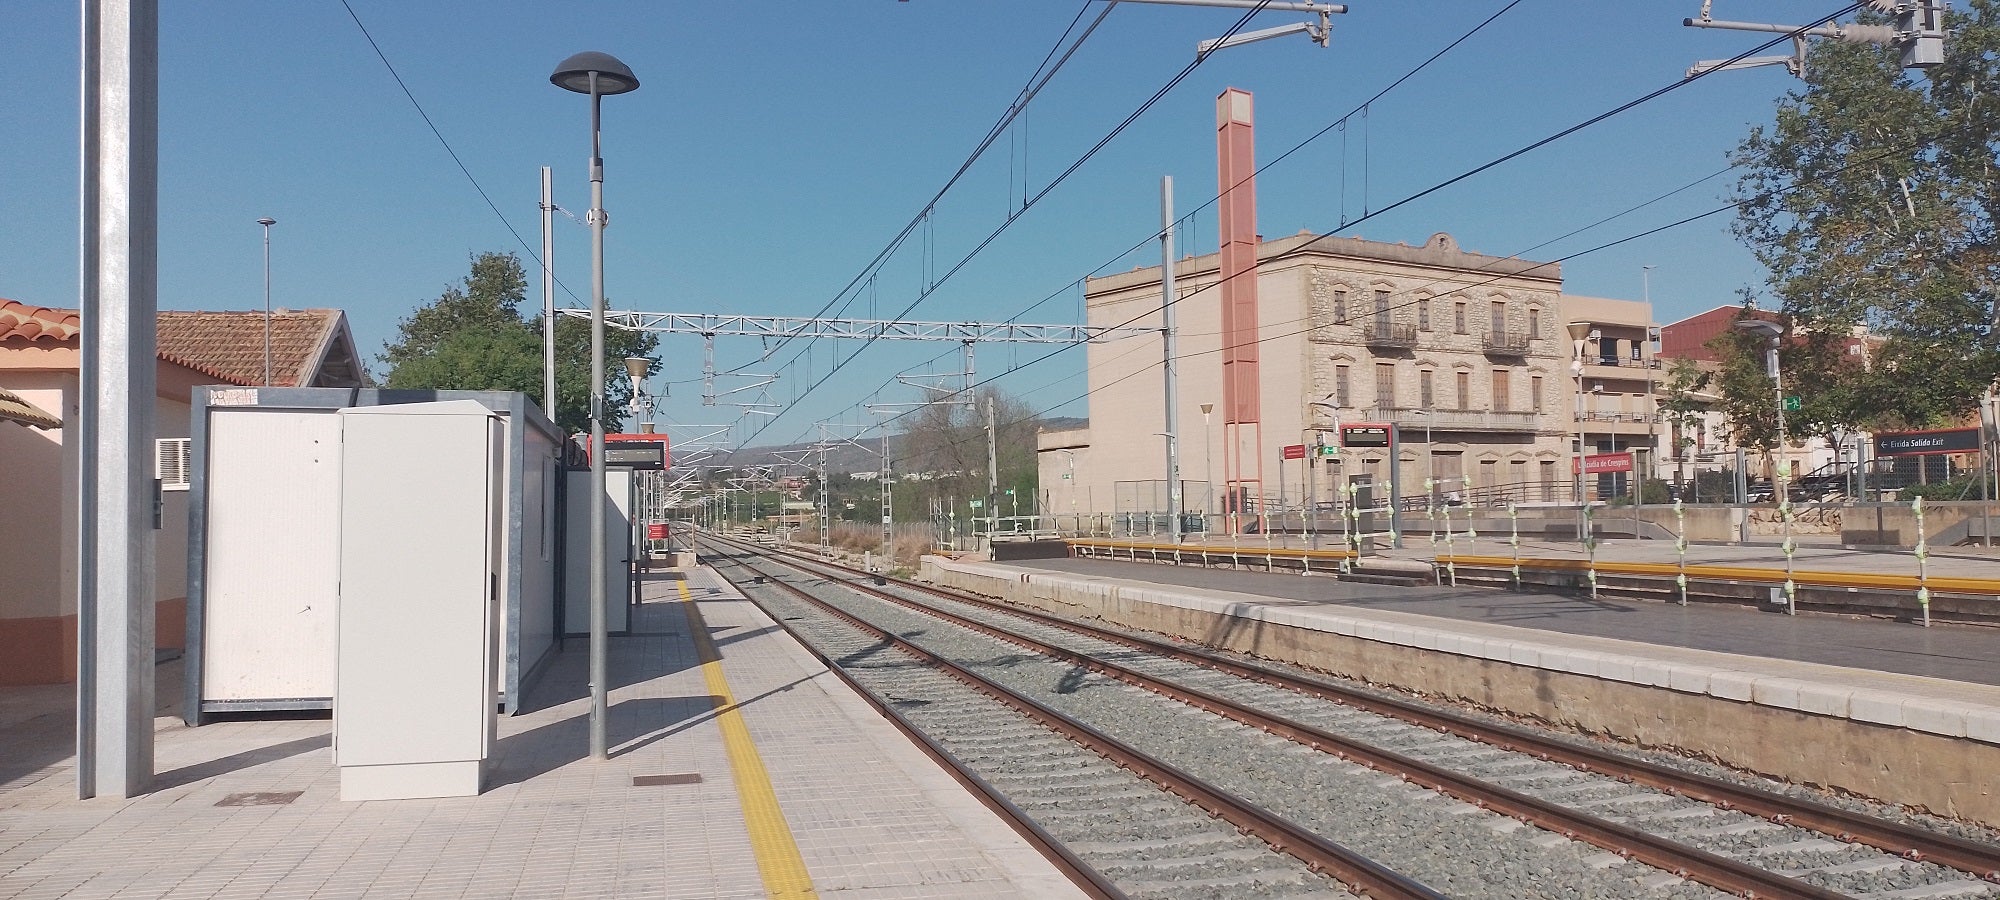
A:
1466,353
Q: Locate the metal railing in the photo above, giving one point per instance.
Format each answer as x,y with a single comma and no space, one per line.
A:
1506,343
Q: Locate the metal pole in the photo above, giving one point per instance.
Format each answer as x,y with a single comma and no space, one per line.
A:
1582,526
115,426
992,474
548,296
267,222
599,638
1168,367
1395,486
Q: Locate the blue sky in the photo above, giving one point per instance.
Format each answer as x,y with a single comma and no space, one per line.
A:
775,148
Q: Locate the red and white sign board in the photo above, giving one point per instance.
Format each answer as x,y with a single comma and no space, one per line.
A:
1295,451
656,531
1604,463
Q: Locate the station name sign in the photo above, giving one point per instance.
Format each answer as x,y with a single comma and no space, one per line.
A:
1364,435
1921,443
1604,463
635,454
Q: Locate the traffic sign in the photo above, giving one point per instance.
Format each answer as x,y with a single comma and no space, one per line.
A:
978,504
1295,451
1792,404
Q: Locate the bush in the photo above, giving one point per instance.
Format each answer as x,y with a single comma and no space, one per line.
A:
1963,487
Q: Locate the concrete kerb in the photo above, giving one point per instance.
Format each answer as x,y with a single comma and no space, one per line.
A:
1930,744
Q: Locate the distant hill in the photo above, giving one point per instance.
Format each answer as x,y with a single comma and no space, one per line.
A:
846,457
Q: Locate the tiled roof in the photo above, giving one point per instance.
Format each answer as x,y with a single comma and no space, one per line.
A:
227,346
37,323
230,345
15,409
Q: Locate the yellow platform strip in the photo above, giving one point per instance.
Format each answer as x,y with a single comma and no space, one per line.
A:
1758,574
778,859
1762,574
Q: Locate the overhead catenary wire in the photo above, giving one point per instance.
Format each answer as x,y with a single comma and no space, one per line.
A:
931,288
1190,216
435,132
1565,258
1542,142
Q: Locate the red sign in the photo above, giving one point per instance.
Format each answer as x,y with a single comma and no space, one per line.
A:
1604,463
656,531
1295,451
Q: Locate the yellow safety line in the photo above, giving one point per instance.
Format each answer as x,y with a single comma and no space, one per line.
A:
1774,575
771,839
1878,581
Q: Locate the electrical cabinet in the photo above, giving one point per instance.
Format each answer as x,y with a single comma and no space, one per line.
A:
418,612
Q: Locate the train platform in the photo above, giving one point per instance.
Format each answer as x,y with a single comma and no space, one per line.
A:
1882,708
739,768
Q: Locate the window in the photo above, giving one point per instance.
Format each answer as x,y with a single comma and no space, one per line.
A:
1535,388
1425,398
1339,305
1341,397
1635,350
1499,324
1502,401
172,462
1423,315
1548,467
1385,385
1534,324
1458,317
1465,390
1381,312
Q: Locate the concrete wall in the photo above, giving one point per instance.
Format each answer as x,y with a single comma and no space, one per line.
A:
1876,743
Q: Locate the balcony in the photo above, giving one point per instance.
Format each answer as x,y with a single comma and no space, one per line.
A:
1382,333
1505,343
1456,419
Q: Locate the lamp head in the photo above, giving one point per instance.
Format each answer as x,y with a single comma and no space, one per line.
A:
1578,330
613,77
1207,408
1761,328
267,221
636,366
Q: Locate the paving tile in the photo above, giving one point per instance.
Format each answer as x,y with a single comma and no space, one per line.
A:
552,823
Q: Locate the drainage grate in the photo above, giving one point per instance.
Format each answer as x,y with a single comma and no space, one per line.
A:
655,780
260,798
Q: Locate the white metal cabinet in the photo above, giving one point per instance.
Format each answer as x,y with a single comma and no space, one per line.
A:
420,547
273,486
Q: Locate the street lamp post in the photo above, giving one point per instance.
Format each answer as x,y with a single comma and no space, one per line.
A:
1312,460
1579,334
596,74
267,222
1775,333
1207,463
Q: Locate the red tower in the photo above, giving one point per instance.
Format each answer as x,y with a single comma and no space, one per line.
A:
1242,429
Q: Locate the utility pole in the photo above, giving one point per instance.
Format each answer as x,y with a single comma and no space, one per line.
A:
1167,354
992,473
548,296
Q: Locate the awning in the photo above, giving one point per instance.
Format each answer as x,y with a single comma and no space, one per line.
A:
15,409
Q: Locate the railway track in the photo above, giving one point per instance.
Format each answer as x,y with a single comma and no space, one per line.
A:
1680,826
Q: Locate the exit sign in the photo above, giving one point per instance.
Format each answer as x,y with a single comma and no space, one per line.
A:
1792,404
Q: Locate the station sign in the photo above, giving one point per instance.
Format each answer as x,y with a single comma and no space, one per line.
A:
1604,463
635,454
656,531
1924,443
1295,451
1364,435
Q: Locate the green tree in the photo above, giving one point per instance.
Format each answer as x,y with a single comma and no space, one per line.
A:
472,337
1874,200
